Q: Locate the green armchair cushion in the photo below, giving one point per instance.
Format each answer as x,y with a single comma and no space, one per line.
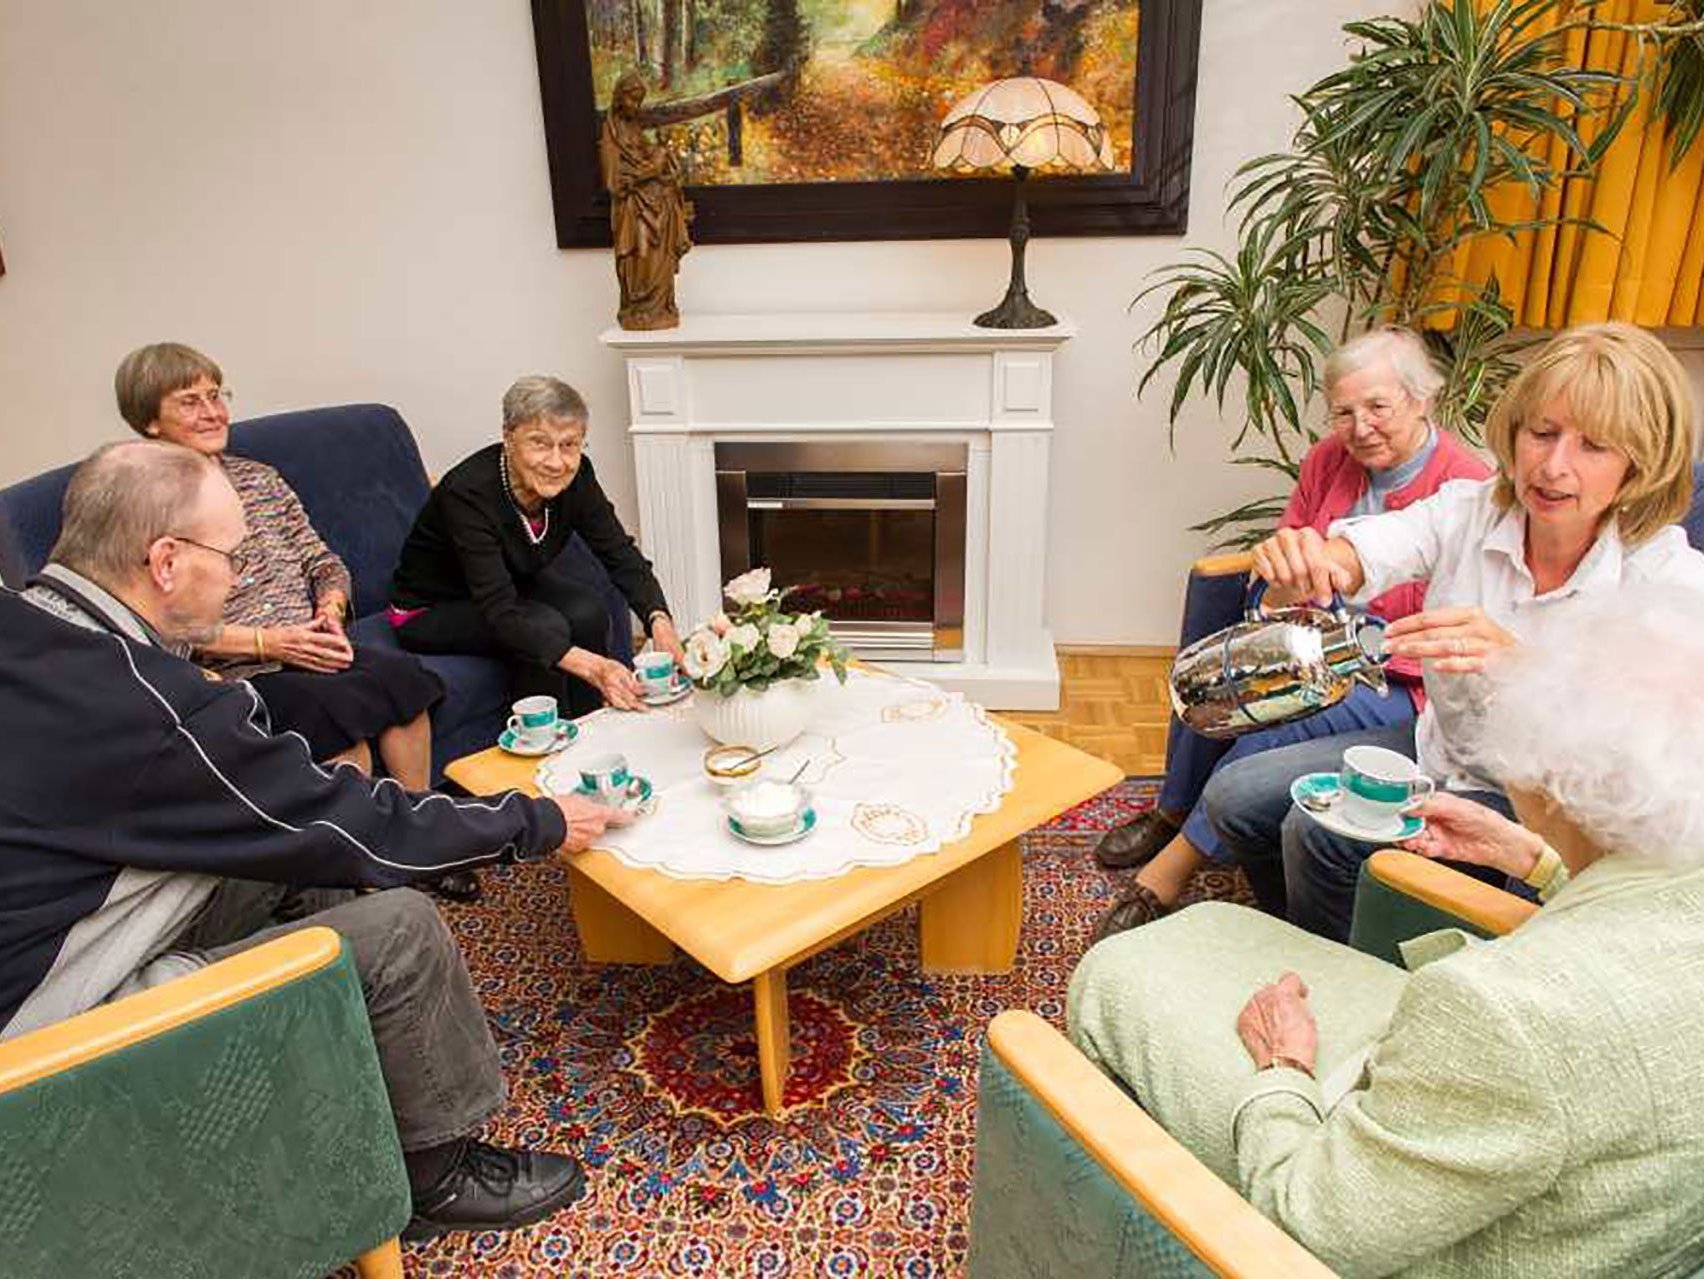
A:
1043,1207
255,1141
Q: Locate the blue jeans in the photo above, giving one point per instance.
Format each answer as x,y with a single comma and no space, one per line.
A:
1211,604
1297,868
1362,709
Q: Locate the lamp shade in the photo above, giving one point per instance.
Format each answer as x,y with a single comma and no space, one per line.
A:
1024,121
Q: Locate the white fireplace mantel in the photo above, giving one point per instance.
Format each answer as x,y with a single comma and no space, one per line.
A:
727,378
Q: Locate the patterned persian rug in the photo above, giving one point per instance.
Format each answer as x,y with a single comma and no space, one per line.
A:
649,1075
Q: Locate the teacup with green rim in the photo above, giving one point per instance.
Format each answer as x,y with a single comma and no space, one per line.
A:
534,722
1380,786
605,776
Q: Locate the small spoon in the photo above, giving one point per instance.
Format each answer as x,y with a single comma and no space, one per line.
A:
1315,802
800,771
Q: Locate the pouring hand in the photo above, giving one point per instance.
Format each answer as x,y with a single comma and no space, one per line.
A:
1458,641
1299,559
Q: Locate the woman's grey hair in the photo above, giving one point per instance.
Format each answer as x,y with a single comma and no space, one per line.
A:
1601,709
535,397
1391,344
123,499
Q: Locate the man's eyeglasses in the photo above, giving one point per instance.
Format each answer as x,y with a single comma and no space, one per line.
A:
237,559
212,401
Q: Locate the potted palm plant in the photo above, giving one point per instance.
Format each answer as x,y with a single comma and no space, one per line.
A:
1403,160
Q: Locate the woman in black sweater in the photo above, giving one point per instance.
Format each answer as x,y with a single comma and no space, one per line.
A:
476,572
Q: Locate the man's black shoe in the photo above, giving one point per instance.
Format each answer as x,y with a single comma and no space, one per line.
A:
1135,842
457,886
489,1188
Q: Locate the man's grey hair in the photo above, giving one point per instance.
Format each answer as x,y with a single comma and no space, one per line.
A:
1391,344
1601,709
535,397
121,500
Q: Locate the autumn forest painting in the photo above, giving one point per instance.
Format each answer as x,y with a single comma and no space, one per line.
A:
794,91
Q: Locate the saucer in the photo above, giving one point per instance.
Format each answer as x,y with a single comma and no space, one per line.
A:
678,690
566,732
807,823
1317,786
636,800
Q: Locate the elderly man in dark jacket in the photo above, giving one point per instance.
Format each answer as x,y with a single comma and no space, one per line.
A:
151,823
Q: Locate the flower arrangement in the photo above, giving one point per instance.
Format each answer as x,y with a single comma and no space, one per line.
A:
755,644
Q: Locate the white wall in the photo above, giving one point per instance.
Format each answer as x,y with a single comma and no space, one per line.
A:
350,201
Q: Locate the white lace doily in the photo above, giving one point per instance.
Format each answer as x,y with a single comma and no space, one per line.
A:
897,767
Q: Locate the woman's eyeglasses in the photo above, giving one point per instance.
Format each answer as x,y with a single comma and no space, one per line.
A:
188,401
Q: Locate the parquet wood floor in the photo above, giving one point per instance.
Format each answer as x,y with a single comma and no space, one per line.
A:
1112,703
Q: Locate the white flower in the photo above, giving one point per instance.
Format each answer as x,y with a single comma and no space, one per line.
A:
744,636
748,588
784,639
705,654
721,624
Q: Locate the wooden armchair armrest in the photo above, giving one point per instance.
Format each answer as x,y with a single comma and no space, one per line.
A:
1447,889
1201,1212
1223,565
138,1017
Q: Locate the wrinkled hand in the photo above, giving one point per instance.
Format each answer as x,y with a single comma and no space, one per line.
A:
1296,559
618,685
1278,1022
313,646
1459,830
667,640
587,820
1456,640
330,609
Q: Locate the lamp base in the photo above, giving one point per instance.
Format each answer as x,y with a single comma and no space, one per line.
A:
1016,311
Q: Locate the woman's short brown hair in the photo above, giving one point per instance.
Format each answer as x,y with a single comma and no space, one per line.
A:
150,373
1624,389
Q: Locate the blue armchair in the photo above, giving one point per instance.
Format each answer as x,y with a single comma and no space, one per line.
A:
358,473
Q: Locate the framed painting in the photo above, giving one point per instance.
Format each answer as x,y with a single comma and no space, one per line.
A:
814,119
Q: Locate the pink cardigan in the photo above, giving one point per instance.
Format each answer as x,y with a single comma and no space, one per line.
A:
1332,482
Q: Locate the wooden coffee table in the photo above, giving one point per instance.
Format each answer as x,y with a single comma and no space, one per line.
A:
971,895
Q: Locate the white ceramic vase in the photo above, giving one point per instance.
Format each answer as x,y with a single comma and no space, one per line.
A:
773,717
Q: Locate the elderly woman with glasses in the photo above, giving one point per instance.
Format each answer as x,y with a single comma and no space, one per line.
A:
478,575
1522,1106
1384,452
283,628
1594,445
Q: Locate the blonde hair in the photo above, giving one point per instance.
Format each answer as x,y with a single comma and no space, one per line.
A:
150,373
1624,389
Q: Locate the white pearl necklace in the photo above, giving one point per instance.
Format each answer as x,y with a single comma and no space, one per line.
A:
543,531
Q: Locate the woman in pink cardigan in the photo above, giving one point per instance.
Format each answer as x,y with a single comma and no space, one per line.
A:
1383,452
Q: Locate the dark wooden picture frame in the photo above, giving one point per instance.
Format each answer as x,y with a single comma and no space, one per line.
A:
1151,199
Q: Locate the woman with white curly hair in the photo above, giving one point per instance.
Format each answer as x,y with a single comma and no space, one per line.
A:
1527,1105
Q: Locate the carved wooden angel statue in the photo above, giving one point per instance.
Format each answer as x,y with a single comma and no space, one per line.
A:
648,210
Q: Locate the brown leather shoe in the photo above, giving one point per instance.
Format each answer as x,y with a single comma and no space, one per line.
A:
1136,841
1138,906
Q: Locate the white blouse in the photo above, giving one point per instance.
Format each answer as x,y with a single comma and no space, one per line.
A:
1472,552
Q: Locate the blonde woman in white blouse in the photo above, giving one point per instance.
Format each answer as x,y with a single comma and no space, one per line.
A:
1594,445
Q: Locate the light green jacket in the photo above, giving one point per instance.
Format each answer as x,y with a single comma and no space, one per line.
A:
1536,1106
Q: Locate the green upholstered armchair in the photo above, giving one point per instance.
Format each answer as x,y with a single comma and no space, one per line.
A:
1074,1180
231,1122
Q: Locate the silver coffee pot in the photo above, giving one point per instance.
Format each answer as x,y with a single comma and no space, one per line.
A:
1276,667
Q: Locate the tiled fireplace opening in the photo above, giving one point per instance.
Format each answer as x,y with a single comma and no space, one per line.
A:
870,532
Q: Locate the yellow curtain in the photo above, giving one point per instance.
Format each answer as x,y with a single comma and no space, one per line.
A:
1647,263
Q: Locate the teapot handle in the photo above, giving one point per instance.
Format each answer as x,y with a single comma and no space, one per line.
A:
1257,593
